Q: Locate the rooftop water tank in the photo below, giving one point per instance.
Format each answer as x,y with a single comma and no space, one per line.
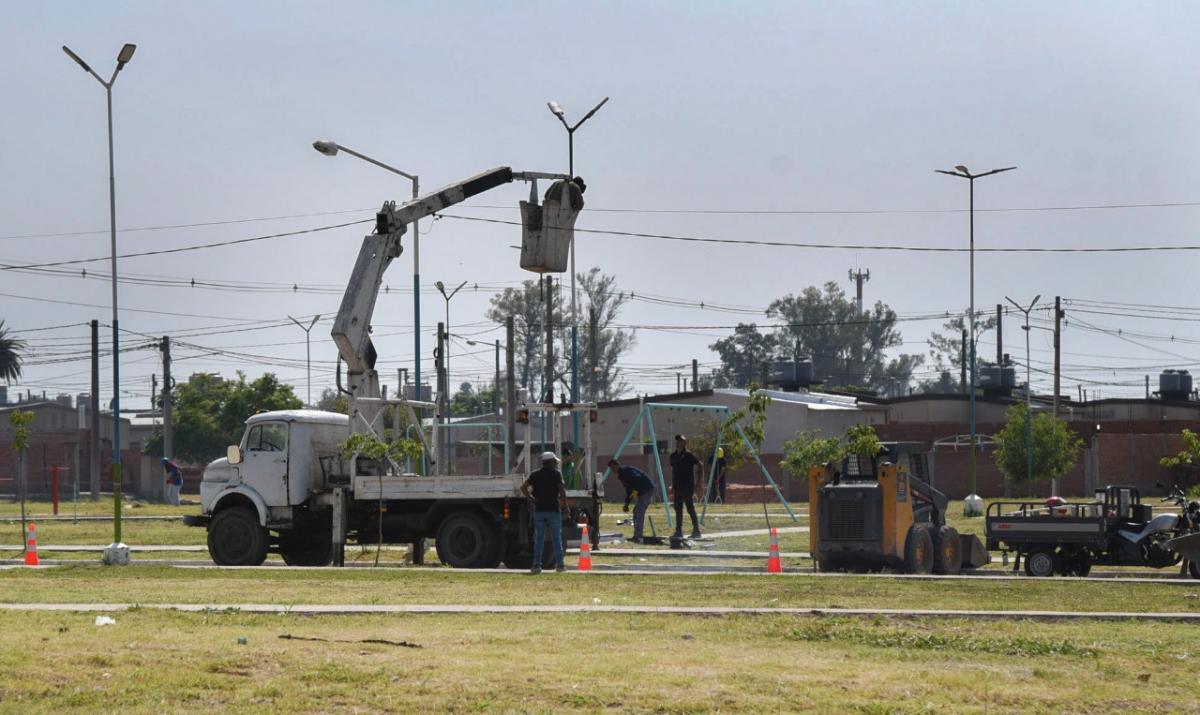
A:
1175,384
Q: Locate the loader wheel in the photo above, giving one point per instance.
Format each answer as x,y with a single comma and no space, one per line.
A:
235,538
466,541
918,550
1041,562
830,566
947,554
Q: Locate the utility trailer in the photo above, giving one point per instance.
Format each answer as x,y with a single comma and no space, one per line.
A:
1056,537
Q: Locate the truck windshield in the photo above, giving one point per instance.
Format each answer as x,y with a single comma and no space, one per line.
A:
267,437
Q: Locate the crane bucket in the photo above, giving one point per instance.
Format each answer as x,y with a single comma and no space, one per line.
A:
548,230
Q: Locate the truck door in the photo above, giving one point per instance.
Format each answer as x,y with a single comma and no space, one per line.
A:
266,461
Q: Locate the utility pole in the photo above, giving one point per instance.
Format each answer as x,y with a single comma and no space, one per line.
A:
594,349
1000,337
962,361
695,373
678,382
168,427
510,387
496,384
94,417
1058,315
1029,396
549,386
443,399
859,277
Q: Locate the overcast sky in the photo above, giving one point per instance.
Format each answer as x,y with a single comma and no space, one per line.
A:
786,107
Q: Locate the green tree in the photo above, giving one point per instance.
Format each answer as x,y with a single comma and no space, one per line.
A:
945,348
10,355
753,419
209,413
600,344
1055,446
743,356
20,420
527,307
332,401
809,449
1189,455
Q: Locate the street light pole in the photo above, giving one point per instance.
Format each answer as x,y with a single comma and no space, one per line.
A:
973,505
558,112
446,360
1028,392
117,553
307,351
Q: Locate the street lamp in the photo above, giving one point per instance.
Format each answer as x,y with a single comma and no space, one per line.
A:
307,351
496,384
973,504
1028,392
330,148
557,111
446,358
116,553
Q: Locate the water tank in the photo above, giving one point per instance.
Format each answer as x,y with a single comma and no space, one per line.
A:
990,377
1008,377
1175,384
790,374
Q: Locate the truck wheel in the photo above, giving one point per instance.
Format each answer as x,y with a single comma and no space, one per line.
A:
466,541
235,538
1041,561
918,550
516,558
1194,569
306,549
947,553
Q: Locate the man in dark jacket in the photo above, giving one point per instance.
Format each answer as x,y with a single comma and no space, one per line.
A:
637,486
684,468
549,497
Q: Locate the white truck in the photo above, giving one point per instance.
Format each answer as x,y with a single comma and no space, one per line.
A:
287,488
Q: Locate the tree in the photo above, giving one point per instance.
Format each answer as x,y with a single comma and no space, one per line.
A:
945,348
10,355
600,344
20,420
332,401
1055,446
847,347
743,356
527,307
809,449
210,413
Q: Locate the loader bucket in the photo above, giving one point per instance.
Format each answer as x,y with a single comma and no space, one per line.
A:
1186,546
974,555
548,230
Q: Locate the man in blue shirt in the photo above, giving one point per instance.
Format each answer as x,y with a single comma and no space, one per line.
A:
637,484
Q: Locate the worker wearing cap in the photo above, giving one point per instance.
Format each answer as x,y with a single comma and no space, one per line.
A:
174,481
637,486
684,468
546,490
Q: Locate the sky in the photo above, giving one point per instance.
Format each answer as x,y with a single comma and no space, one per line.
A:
798,122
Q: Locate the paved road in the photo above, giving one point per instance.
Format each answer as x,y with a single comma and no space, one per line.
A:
348,609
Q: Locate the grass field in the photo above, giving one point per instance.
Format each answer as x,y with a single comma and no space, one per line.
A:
156,662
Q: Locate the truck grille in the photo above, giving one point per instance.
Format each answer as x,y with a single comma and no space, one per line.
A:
846,520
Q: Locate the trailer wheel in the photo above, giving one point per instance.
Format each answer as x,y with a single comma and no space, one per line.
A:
466,541
1041,561
235,538
307,549
947,554
918,550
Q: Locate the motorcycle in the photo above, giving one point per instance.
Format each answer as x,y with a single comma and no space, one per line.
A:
1168,539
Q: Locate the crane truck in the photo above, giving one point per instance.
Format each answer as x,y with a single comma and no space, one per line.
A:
289,487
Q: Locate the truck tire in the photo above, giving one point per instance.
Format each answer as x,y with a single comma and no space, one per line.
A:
518,557
466,541
918,550
947,551
306,549
1194,569
1042,561
235,538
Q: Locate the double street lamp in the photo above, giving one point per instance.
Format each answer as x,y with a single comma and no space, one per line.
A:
446,359
1028,391
307,351
115,553
973,505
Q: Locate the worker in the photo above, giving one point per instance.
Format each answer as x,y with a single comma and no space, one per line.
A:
716,494
684,470
549,497
637,486
570,468
174,481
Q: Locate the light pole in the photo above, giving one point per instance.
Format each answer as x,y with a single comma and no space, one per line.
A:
307,351
1028,391
446,359
558,112
496,384
330,148
973,504
116,553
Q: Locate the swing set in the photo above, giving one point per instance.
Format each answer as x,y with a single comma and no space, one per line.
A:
647,414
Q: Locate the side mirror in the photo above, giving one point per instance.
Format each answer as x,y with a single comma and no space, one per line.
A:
234,454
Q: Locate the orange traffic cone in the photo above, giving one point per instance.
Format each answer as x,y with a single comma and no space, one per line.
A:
31,557
585,550
773,564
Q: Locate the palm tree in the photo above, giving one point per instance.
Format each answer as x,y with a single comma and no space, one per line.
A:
10,355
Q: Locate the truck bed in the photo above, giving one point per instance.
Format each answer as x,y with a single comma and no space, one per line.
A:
1021,523
439,487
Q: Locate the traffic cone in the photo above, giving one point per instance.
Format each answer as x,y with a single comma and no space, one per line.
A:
31,557
773,564
585,550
